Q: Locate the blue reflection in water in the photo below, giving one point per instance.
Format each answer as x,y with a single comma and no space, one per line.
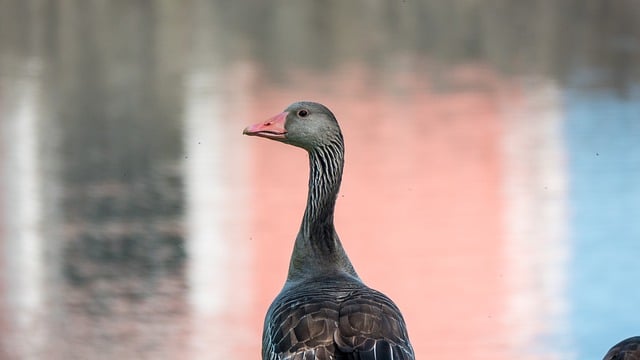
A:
603,138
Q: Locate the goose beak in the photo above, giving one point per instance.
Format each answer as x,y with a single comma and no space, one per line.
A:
272,128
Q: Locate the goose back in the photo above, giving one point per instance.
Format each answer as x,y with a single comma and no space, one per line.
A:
334,317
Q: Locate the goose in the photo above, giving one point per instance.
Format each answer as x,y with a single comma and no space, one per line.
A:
324,310
627,349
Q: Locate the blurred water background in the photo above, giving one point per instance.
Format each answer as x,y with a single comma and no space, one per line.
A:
492,182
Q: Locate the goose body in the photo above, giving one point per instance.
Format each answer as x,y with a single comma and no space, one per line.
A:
324,310
627,349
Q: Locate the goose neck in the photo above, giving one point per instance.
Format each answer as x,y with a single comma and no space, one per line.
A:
318,246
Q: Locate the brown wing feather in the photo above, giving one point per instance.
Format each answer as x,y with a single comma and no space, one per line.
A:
372,326
300,325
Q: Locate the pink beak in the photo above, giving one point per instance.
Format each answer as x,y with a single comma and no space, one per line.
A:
273,128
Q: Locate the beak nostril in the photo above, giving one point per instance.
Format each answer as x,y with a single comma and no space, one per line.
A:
268,123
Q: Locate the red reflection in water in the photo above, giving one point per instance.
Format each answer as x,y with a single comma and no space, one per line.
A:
419,212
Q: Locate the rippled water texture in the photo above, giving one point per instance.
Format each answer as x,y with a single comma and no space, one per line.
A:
492,181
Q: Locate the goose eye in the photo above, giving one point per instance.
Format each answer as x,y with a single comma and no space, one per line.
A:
303,113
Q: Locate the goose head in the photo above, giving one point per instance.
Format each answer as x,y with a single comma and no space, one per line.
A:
304,124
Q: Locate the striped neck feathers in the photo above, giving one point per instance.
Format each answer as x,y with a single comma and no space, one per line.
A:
318,248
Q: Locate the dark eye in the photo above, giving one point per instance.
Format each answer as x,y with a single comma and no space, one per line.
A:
303,113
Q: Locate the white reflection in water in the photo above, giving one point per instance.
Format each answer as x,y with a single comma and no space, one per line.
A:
536,220
205,188
217,262
24,256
